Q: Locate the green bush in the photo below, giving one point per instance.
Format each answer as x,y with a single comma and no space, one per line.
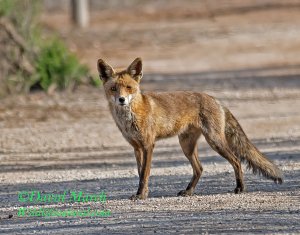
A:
6,7
57,68
53,65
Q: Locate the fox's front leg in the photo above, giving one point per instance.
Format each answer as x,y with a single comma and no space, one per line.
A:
144,174
138,151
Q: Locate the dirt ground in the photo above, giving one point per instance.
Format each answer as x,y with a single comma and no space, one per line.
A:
68,141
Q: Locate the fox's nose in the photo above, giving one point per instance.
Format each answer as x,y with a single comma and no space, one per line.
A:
121,100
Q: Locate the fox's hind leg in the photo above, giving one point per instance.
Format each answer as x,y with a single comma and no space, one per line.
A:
188,143
220,145
213,128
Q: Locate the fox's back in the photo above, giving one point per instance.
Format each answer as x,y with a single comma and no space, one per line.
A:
173,112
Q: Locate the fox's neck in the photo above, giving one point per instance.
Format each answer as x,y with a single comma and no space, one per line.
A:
122,114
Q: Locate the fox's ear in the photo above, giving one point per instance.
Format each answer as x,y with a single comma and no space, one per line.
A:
105,70
136,69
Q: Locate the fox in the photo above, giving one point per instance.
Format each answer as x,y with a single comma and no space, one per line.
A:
146,117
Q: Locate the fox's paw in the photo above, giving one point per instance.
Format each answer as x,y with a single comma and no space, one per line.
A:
278,181
238,190
185,193
135,197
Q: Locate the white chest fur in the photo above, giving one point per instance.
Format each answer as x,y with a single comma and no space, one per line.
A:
125,120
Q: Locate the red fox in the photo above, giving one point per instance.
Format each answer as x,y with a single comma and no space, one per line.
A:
144,118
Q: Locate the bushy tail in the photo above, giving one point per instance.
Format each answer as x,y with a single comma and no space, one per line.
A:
246,151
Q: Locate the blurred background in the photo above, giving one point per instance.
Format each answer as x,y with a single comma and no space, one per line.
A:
171,36
244,52
182,36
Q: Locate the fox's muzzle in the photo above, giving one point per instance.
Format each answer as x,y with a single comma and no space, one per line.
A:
124,100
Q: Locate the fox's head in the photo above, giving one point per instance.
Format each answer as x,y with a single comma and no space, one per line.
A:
121,87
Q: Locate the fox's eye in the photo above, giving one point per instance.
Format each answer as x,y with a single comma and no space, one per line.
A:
129,87
113,88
